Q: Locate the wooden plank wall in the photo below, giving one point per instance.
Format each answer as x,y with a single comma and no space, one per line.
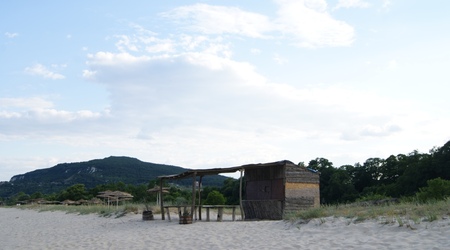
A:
262,209
302,189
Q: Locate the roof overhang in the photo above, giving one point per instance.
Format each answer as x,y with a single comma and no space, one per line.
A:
216,171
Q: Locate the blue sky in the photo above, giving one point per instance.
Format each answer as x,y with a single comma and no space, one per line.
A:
203,84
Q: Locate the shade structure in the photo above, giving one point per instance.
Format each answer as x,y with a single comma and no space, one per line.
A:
115,196
157,189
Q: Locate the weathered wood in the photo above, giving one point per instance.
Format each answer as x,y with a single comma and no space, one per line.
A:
270,189
298,203
240,196
220,214
147,215
263,209
168,213
207,214
193,193
234,213
200,198
162,200
186,219
301,180
220,211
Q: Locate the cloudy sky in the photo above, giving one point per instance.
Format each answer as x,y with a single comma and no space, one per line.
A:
221,83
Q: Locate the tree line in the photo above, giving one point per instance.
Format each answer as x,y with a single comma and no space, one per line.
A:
396,176
228,193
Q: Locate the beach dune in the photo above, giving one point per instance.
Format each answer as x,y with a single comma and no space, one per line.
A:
30,229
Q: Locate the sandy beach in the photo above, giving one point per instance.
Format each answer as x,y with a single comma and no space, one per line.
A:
30,229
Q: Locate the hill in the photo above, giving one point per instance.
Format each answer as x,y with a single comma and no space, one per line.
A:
92,173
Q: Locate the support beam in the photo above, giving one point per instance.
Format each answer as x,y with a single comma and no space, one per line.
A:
240,195
200,198
161,198
194,176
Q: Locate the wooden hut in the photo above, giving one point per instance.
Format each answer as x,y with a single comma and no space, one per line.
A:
271,190
276,189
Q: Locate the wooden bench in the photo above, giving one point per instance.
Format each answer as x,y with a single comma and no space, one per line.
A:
220,211
185,207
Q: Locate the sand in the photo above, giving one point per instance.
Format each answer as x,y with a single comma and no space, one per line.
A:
30,229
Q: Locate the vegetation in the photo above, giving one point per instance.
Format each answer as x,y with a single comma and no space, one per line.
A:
400,212
215,198
397,176
104,211
436,189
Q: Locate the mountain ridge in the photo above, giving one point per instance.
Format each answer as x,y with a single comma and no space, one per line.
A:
91,173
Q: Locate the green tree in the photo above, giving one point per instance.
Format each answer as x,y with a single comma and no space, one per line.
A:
230,191
340,188
326,169
215,198
74,192
21,196
436,189
37,195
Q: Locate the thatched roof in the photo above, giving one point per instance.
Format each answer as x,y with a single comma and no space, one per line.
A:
115,195
157,189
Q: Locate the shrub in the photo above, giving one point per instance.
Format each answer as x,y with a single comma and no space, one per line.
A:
436,189
215,198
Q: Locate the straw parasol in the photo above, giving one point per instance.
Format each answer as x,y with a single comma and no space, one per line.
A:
116,196
157,190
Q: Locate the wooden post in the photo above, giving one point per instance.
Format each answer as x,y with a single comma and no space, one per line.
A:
220,214
200,198
168,213
161,198
240,196
193,193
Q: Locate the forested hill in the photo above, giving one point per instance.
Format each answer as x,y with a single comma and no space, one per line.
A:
401,175
92,173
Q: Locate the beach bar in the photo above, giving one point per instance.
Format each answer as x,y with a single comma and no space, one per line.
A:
268,191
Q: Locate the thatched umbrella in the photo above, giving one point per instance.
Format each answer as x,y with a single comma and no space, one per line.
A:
115,196
94,201
69,202
157,190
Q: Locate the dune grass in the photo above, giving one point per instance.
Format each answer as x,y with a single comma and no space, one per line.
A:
102,210
411,211
400,212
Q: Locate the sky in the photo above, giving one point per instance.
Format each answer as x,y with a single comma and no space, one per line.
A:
205,84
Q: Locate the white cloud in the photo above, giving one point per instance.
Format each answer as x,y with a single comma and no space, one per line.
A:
306,22
89,74
393,64
352,4
41,70
37,116
387,4
279,60
27,103
255,51
210,19
180,93
311,25
125,44
11,35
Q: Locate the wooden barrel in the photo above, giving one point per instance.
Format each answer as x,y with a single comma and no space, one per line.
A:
147,215
185,219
